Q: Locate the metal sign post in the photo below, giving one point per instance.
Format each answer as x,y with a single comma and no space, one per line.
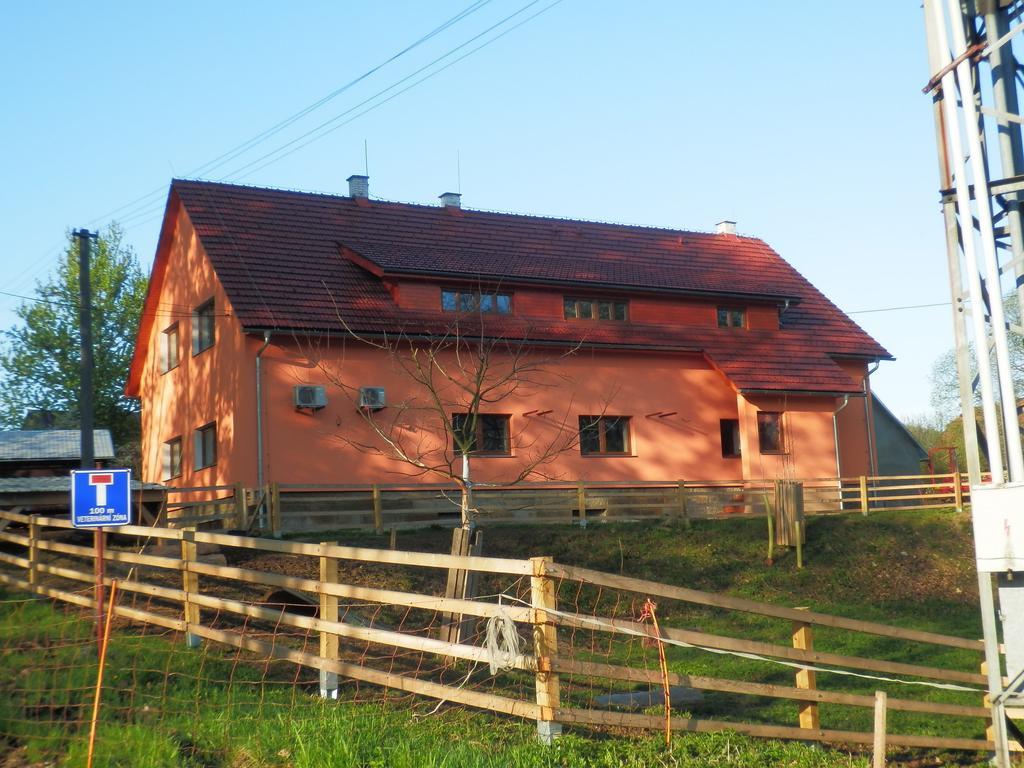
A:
100,498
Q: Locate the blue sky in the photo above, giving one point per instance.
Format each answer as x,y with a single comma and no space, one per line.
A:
802,121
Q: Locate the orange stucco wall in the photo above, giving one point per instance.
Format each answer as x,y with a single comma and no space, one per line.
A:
326,445
544,303
203,388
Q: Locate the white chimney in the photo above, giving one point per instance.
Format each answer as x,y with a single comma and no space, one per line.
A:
725,227
451,200
358,186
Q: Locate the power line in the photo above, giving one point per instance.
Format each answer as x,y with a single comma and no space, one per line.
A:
170,309
897,309
330,122
259,138
283,151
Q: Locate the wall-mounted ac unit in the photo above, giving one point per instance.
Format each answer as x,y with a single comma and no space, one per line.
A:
372,398
310,396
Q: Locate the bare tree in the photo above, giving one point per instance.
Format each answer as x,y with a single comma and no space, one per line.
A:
458,378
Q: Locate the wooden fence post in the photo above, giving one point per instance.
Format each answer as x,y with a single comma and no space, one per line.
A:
545,648
863,495
33,553
328,612
803,639
986,702
581,502
958,491
683,511
241,510
275,510
378,513
190,585
878,759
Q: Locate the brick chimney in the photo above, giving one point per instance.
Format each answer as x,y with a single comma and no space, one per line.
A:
451,200
358,186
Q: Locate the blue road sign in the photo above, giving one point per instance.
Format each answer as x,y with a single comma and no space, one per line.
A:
101,497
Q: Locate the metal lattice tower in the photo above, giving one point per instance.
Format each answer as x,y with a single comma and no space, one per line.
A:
974,52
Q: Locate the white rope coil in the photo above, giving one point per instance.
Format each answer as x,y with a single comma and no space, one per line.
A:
502,641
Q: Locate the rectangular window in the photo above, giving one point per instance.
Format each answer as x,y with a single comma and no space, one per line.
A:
476,301
202,327
604,435
169,349
488,435
769,432
732,317
205,445
172,459
595,309
730,438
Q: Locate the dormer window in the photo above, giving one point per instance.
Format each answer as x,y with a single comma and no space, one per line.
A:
732,317
595,309
476,301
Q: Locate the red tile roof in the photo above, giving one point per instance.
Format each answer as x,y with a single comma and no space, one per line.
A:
278,255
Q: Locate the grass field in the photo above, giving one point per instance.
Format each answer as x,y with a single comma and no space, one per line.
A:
166,705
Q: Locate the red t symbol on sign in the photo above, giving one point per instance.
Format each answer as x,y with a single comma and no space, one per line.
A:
102,482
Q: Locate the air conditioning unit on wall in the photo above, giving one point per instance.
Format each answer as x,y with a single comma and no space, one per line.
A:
310,396
372,398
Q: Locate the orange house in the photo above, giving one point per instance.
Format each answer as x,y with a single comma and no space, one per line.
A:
270,334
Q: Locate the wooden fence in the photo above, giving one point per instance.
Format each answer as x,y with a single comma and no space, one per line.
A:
595,650
301,508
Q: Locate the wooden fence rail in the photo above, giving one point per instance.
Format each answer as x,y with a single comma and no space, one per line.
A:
308,508
378,507
585,635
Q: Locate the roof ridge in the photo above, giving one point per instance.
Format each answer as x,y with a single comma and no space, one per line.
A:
487,211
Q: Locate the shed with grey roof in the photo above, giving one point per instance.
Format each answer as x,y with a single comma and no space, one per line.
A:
42,452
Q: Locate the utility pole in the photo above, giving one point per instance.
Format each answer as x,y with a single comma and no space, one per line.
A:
85,238
975,61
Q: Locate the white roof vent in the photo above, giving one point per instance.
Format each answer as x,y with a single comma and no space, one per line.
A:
310,396
725,227
451,200
372,398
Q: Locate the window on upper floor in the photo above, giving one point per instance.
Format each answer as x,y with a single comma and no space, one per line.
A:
459,300
604,435
204,445
171,459
595,309
730,438
203,333
486,434
769,432
169,348
732,317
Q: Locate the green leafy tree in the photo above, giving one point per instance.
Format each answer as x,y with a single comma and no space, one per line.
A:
40,357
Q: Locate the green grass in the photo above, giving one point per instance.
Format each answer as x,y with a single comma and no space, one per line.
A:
167,705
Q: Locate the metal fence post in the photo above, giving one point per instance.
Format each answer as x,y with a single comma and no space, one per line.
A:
545,644
190,585
329,646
